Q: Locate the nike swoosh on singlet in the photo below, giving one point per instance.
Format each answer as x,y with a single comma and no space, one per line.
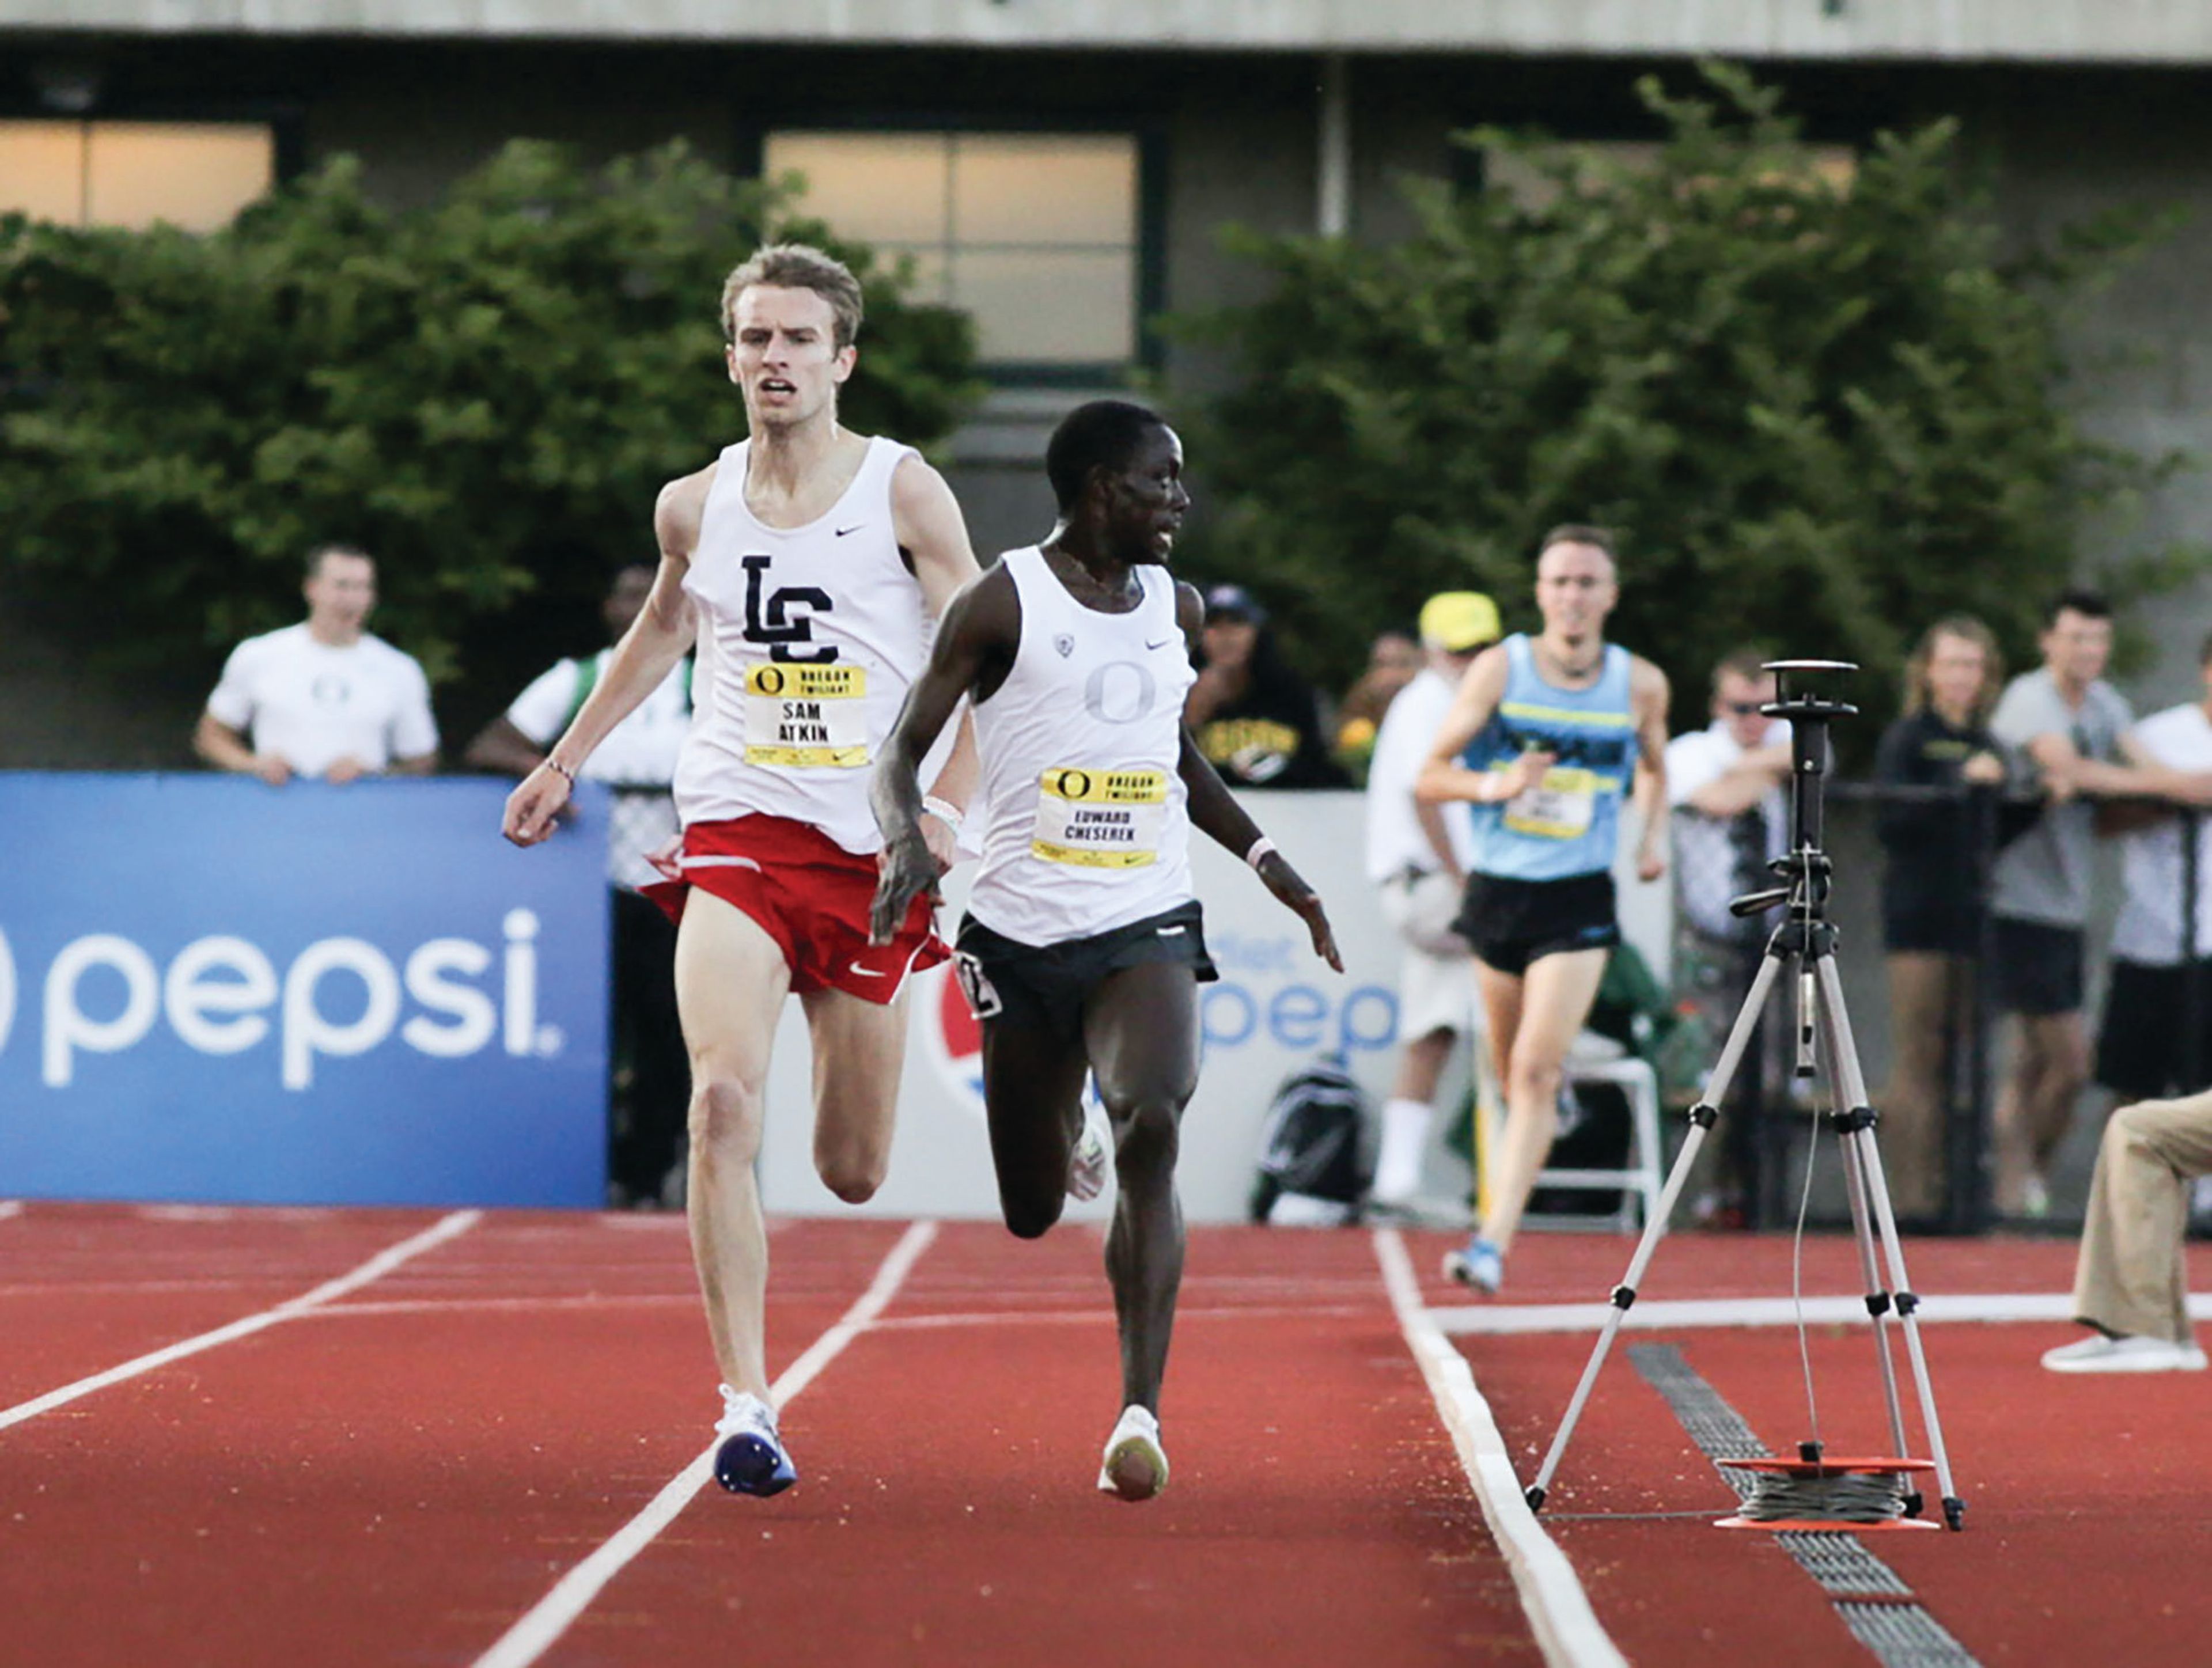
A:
869,973
1161,644
854,528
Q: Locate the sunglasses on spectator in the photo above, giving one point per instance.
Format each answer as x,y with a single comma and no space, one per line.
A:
1741,709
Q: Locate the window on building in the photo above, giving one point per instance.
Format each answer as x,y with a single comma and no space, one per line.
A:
196,175
1034,234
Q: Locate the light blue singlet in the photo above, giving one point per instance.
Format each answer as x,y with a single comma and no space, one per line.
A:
1569,823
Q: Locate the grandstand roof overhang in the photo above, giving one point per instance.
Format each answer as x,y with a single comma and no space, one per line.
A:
2173,32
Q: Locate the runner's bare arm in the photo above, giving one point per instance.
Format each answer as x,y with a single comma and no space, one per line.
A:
647,652
975,643
1443,778
934,539
1215,813
1648,697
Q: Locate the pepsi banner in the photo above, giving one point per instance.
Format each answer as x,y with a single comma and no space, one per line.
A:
215,991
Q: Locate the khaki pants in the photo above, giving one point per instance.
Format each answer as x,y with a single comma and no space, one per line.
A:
2130,1279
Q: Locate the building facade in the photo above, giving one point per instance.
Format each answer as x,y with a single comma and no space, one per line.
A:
1063,167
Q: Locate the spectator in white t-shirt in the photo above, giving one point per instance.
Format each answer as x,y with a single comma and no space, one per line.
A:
1417,857
2156,1038
325,698
637,760
1731,819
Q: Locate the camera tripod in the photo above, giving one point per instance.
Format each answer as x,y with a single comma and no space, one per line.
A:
1804,942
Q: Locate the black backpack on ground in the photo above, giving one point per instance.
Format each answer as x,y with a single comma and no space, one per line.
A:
1315,1161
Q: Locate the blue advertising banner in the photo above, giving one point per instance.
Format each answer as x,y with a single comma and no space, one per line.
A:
215,991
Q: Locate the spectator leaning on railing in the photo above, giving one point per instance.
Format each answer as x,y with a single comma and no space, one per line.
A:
325,698
1932,840
2156,1038
2069,730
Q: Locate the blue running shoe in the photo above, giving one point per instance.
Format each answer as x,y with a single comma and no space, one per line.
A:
750,1460
1480,1264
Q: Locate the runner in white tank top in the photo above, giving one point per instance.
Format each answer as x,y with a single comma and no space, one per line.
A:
1089,826
1082,950
811,562
808,638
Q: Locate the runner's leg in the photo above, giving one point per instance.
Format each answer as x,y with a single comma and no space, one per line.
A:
1140,1027
859,1048
1555,999
731,980
1032,1095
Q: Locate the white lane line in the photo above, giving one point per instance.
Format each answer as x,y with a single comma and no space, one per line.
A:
1093,1316
1567,1629
1990,1307
11,1208
546,1622
374,1269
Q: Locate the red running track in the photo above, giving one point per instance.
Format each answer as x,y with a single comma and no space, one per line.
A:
399,1476
401,1473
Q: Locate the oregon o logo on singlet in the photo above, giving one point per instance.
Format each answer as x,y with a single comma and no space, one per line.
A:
1119,692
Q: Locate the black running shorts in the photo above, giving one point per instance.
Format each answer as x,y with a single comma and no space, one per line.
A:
1045,986
1511,922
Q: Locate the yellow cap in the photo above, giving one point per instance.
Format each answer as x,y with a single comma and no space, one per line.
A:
1457,620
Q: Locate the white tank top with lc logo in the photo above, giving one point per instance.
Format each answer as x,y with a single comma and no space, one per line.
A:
808,638
1087,827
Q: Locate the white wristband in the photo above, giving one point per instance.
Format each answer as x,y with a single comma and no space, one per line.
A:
944,810
1262,849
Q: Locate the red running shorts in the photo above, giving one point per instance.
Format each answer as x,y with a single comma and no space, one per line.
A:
812,896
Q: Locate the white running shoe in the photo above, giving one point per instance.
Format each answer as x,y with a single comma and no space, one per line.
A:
750,1458
2100,1354
1136,1466
1086,1164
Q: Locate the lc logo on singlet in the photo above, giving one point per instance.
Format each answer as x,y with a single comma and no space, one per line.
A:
102,993
769,619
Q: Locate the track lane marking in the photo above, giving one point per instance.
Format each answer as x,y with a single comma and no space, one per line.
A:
375,1268
1498,1318
1567,1629
11,1208
543,1623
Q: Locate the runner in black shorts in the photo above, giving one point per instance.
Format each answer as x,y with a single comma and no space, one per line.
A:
1084,947
1544,737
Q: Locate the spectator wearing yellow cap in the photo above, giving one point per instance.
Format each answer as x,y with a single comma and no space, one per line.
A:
1417,859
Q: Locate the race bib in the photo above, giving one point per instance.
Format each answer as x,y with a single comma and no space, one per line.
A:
1560,807
806,716
1100,819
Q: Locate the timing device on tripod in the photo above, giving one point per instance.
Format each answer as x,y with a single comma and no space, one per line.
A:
1812,1491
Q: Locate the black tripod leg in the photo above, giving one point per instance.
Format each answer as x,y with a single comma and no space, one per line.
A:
1853,1086
1623,1295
